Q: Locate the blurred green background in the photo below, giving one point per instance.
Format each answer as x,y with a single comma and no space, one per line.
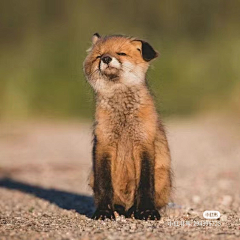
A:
43,44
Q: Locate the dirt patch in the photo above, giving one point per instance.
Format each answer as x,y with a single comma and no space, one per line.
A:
44,192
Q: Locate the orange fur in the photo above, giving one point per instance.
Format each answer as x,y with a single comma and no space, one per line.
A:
126,119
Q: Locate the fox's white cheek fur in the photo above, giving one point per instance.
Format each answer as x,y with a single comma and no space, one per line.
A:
115,63
97,81
133,73
103,66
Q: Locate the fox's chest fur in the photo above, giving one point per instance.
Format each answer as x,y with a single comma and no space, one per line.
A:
123,116
125,121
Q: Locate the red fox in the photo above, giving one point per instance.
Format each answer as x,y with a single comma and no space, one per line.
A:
131,158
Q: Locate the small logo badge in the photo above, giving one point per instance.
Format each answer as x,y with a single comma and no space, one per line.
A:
211,214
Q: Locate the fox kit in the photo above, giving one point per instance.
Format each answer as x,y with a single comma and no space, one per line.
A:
131,159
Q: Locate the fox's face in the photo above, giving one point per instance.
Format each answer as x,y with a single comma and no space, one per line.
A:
117,60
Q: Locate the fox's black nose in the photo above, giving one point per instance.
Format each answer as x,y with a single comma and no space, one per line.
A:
106,59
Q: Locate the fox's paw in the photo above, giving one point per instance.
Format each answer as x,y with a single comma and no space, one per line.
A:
131,212
152,214
102,214
120,210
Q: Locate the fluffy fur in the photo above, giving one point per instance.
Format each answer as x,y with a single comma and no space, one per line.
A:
131,159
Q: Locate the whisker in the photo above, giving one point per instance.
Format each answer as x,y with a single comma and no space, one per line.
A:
93,72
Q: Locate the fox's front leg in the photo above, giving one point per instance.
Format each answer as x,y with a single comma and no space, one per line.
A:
145,199
102,187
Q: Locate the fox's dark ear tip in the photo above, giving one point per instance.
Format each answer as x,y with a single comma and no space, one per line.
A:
95,38
97,35
148,53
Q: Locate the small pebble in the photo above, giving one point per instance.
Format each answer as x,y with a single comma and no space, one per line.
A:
196,199
223,218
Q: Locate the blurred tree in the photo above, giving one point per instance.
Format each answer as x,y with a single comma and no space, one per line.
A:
43,45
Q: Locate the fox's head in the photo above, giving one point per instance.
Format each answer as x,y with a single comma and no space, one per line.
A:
117,60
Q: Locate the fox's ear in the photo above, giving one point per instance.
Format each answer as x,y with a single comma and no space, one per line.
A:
147,51
95,38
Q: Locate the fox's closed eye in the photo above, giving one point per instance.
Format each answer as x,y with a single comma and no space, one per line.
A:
121,54
98,57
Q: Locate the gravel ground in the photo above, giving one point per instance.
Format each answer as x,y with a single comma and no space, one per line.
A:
44,193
